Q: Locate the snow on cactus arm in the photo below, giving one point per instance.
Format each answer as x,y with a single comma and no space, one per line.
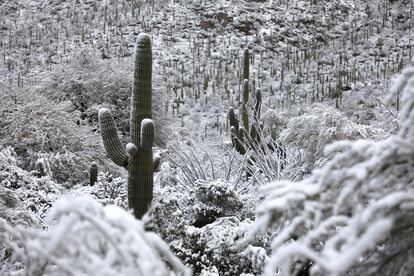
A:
147,134
89,239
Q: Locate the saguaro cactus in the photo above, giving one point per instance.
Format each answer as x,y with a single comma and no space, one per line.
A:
137,156
93,173
255,126
246,66
245,98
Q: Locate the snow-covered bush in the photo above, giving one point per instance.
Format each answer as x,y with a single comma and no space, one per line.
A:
354,214
37,193
13,211
90,82
274,122
84,237
309,133
211,200
200,225
38,128
108,190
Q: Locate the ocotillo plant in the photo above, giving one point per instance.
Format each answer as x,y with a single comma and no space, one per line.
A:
136,157
93,173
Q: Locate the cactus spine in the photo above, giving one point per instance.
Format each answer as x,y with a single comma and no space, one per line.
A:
136,157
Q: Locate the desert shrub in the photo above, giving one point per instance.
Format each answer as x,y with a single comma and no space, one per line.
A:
38,128
90,82
354,214
13,211
108,190
211,200
201,223
84,237
38,194
274,122
308,134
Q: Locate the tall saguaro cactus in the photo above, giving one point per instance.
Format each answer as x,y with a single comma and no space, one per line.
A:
137,156
245,99
246,66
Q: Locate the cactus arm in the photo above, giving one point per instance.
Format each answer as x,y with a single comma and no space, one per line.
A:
245,114
131,149
234,141
241,143
232,118
258,105
112,144
157,162
147,134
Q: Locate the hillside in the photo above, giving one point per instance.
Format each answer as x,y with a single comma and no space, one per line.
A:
230,196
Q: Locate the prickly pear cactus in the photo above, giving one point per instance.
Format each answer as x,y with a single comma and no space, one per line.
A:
137,156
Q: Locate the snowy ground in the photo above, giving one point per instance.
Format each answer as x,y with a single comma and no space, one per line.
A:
324,69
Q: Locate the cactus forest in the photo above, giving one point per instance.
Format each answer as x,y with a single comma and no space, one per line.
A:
207,137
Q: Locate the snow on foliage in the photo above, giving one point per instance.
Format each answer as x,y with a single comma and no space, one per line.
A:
14,212
107,190
86,238
322,125
39,128
38,193
354,214
200,225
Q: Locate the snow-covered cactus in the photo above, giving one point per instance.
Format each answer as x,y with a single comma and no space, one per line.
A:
245,100
236,132
246,65
258,105
93,173
255,126
234,124
137,156
353,214
241,134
